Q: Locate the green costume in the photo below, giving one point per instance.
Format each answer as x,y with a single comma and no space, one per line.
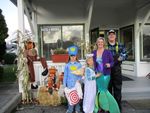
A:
104,100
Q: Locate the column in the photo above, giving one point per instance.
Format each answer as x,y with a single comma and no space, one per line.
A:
137,48
21,28
20,4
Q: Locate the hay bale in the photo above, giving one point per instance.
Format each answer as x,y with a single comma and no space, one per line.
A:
46,99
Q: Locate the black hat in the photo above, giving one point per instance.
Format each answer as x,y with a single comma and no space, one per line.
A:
111,31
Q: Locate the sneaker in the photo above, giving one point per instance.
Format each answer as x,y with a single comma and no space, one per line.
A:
68,111
78,112
34,87
45,72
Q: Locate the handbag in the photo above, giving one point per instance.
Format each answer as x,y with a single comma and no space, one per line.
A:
74,94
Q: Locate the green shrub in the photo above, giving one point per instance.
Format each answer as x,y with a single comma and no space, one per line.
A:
9,58
9,73
60,51
1,71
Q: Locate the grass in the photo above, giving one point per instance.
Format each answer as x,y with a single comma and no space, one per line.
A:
9,74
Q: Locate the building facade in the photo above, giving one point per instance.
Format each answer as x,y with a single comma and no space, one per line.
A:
60,23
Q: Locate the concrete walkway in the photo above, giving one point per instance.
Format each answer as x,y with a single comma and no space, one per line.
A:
9,97
136,99
136,95
137,89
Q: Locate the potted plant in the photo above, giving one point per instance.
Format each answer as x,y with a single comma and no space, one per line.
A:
59,55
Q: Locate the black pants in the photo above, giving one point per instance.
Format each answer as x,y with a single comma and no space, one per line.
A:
115,85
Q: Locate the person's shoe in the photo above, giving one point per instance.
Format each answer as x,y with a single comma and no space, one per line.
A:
34,87
68,111
78,112
45,72
101,111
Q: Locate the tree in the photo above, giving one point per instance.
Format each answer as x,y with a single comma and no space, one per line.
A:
3,35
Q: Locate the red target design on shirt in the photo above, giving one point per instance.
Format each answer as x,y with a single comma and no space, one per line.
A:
74,98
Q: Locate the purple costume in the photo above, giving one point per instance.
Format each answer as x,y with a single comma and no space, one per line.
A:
104,100
106,58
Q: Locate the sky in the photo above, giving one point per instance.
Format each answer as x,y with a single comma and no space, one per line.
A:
10,12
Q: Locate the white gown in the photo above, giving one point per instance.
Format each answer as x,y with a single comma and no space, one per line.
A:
89,91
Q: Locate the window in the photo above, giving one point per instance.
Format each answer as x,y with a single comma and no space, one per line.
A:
145,42
72,34
95,33
50,39
60,36
127,38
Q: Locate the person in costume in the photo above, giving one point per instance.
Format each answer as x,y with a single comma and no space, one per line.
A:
70,79
31,55
119,53
103,61
89,85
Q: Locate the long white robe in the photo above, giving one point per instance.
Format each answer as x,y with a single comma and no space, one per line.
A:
89,91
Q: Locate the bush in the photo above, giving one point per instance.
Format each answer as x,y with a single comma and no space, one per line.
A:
9,58
60,51
1,70
9,73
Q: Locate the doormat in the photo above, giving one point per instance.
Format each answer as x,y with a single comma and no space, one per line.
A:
124,78
140,104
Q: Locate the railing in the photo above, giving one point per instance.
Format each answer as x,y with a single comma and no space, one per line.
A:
39,69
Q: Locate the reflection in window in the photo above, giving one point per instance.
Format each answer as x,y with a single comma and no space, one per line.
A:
127,38
145,42
95,33
61,36
51,36
72,35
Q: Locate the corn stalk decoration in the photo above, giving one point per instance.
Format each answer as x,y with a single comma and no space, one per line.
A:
22,68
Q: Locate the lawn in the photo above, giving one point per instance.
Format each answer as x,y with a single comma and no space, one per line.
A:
9,73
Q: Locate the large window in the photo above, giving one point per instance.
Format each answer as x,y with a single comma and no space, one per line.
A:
51,36
127,38
95,33
60,36
145,42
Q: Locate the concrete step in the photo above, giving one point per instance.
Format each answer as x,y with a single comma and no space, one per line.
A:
135,95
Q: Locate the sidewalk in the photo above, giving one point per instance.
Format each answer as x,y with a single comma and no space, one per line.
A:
136,99
137,89
136,95
9,97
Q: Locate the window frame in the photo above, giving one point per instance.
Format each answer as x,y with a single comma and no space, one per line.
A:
40,40
133,39
141,45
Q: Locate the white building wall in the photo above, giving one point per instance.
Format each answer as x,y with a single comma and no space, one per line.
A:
128,68
144,67
74,12
63,12
137,68
107,18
